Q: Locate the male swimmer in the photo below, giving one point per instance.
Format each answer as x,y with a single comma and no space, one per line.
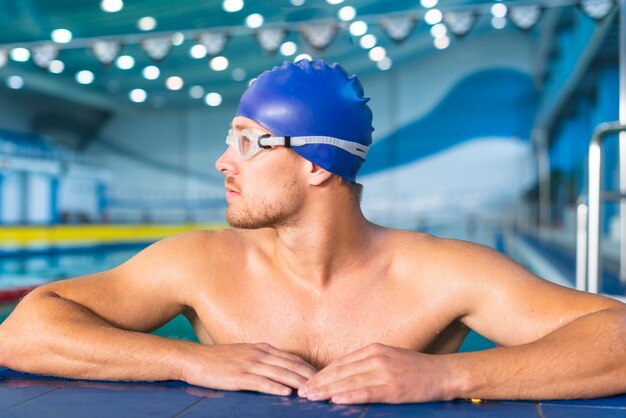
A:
303,293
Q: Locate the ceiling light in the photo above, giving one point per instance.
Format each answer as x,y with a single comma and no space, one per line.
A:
239,74
15,82
297,2
214,42
438,30
377,53
125,62
398,28
56,66
84,77
43,54
428,3
178,38
151,72
213,99
334,1
146,23
358,28
174,83
218,63
384,64
442,43
196,92
106,51
197,51
498,22
288,48
525,16
61,36
157,48
498,10
433,16
368,41
460,22
254,21
232,5
597,9
111,6
346,13
20,54
303,57
138,95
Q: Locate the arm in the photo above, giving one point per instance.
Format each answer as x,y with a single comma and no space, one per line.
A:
96,326
558,343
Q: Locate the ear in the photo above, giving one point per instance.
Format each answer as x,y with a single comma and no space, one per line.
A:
317,175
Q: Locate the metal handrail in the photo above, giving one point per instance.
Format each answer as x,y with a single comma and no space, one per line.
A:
594,198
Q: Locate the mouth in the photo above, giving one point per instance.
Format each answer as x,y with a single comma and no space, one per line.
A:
231,191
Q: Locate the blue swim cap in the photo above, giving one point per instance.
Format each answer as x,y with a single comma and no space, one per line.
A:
309,98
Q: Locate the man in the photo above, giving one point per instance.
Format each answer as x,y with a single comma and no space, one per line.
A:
304,293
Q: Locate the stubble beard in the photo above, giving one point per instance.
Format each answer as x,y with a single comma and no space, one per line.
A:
254,212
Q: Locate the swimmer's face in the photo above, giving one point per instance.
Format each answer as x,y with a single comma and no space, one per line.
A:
265,191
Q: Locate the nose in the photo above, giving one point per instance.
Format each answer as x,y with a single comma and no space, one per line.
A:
226,164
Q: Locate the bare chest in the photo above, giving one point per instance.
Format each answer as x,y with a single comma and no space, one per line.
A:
322,329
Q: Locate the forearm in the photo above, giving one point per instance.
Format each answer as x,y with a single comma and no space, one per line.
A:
50,335
583,359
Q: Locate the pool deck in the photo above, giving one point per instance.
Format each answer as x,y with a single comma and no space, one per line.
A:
23,395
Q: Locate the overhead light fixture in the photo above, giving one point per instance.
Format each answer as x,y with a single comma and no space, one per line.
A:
525,16
346,13
84,77
218,63
270,39
106,51
196,92
428,3
197,51
44,54
213,99
438,30
319,35
255,20
397,28
460,22
178,38
442,43
433,16
384,64
377,53
111,6
296,59
358,28
15,82
146,23
174,83
499,10
157,48
232,6
125,62
498,22
597,9
56,66
288,48
214,42
368,41
151,72
138,95
61,36
239,74
20,54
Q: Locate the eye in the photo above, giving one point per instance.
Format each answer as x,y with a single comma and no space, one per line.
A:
245,143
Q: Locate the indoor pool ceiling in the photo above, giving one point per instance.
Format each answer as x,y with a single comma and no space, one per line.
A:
29,23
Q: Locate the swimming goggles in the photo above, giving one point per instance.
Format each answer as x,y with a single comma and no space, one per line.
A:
248,143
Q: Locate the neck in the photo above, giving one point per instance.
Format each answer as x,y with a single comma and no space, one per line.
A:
330,239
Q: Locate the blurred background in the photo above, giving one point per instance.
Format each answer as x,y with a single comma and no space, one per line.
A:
113,112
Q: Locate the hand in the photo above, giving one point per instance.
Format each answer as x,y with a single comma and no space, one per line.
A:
258,367
380,373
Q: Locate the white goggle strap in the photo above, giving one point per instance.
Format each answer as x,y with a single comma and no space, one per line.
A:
354,148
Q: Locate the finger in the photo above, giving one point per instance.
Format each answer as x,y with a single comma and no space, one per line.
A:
263,384
351,383
302,369
336,372
369,394
288,356
278,374
360,354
